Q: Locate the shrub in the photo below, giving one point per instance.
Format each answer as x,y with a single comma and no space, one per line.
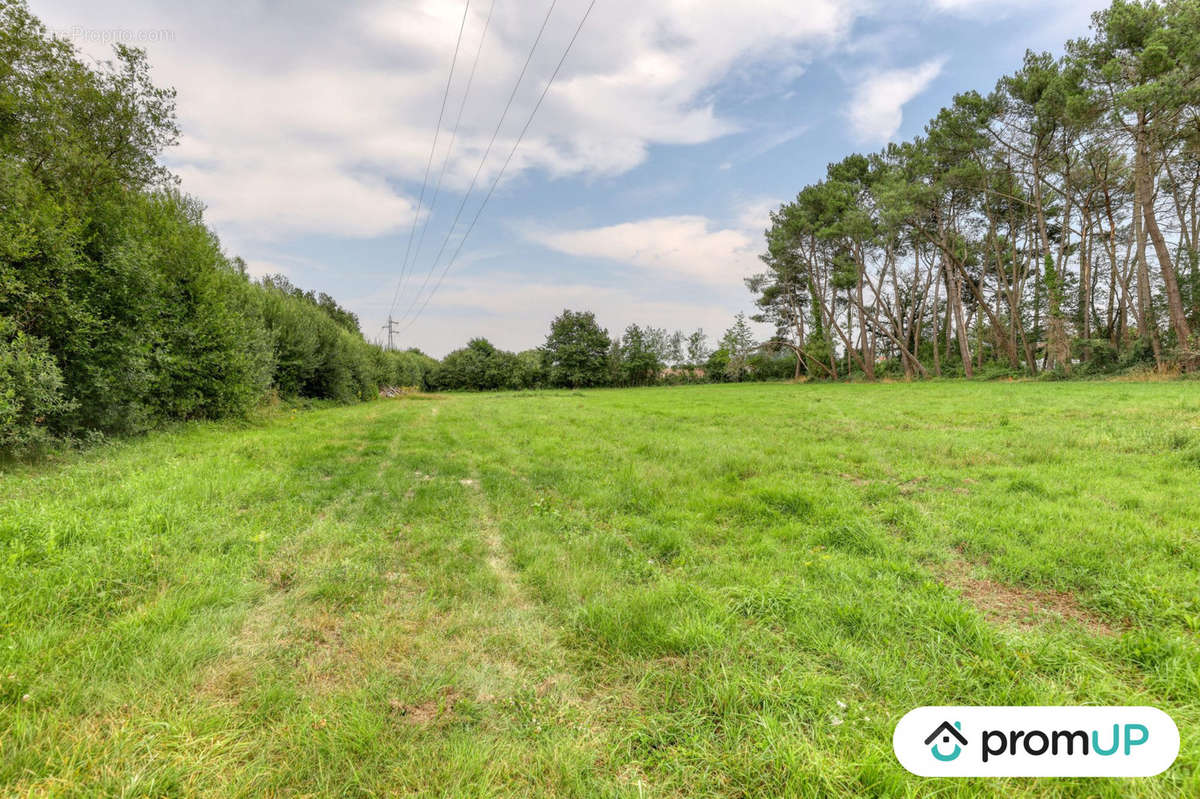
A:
210,356
477,367
409,368
31,391
773,366
531,370
1098,355
318,351
717,365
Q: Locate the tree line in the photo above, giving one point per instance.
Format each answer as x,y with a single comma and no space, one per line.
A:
118,308
1048,226
579,353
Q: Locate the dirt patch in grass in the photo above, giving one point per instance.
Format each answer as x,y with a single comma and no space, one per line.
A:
433,711
1022,607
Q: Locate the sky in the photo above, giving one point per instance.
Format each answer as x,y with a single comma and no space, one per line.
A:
640,190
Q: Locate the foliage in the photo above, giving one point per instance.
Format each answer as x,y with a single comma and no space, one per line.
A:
319,352
477,367
737,344
764,365
579,353
640,362
717,365
31,390
577,350
531,370
405,368
697,347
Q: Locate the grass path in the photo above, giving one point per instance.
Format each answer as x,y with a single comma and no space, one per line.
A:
710,591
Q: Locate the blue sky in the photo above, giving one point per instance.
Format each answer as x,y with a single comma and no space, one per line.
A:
641,189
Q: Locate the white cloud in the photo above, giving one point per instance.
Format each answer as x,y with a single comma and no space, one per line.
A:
666,248
272,197
312,118
877,106
754,216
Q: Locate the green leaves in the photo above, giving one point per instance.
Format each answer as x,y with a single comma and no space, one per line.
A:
738,345
31,390
481,367
640,363
577,350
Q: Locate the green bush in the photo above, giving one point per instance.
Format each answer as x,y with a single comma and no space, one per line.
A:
318,351
292,332
31,391
773,366
477,367
1098,356
210,356
531,370
409,368
717,365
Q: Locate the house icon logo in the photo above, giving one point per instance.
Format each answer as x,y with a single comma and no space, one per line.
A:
946,731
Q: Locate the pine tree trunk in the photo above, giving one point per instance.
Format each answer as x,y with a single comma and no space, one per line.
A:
954,292
1145,189
1147,330
937,358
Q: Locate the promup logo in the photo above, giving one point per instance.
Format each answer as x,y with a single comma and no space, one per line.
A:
1036,741
947,731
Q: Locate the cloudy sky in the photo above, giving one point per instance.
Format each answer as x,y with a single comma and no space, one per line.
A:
641,188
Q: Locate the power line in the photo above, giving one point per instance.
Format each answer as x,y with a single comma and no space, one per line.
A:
446,161
499,175
483,161
429,164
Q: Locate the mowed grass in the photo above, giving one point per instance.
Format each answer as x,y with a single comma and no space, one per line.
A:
704,591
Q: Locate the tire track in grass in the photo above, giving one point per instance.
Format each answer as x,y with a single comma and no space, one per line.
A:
588,706
521,641
269,624
497,556
547,695
535,640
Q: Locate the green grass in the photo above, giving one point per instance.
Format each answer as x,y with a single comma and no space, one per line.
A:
703,591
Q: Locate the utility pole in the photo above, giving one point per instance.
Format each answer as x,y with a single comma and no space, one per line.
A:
390,328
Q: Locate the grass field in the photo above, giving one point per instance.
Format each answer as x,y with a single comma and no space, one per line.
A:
706,591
